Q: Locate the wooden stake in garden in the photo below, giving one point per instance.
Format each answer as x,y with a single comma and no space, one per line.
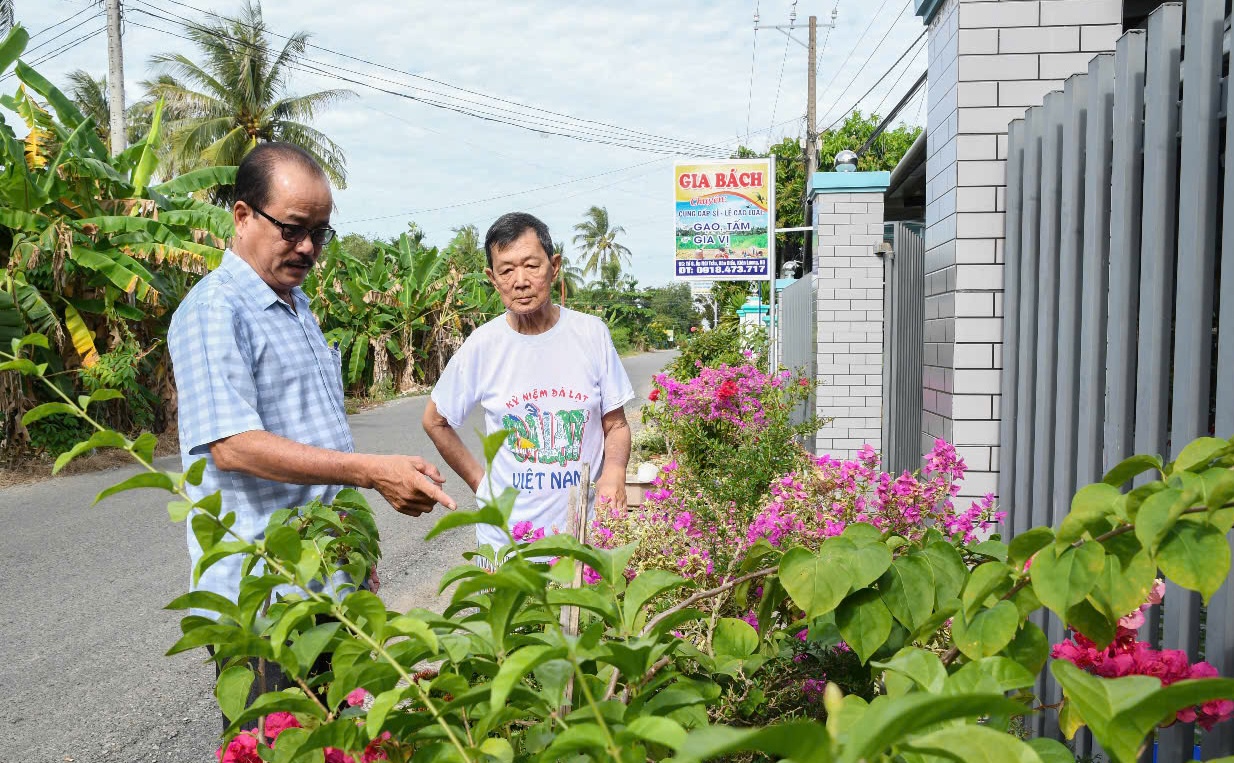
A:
576,521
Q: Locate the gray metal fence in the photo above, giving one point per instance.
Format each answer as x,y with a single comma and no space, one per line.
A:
1120,244
798,327
903,348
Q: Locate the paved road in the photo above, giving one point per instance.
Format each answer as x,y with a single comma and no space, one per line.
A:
82,670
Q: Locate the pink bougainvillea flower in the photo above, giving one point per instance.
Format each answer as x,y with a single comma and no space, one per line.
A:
653,395
334,755
1157,594
590,576
521,530
374,752
277,723
357,697
241,749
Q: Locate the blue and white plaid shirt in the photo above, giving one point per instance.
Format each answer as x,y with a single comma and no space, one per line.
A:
245,361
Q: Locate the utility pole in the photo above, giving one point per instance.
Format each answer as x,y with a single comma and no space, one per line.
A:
807,256
115,78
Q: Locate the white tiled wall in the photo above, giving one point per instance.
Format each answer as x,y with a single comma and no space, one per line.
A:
849,283
989,61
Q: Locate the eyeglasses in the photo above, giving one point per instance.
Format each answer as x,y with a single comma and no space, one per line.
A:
294,234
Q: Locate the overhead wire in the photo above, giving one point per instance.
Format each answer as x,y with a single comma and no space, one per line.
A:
750,89
776,103
856,44
844,114
59,51
895,85
869,58
28,52
65,20
521,115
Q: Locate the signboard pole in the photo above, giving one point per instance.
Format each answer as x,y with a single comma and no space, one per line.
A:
772,331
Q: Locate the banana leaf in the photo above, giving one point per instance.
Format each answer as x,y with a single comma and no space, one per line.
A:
12,47
64,107
11,324
96,169
108,265
83,338
66,150
201,216
112,224
149,157
197,180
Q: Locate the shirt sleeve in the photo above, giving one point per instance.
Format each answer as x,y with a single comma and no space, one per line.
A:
615,388
455,392
215,388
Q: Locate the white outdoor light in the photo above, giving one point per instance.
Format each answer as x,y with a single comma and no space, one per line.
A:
846,161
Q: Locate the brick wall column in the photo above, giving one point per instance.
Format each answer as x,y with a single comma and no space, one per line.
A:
989,60
848,221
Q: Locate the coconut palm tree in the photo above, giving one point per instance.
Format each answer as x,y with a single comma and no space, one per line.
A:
238,96
599,240
570,279
90,96
6,17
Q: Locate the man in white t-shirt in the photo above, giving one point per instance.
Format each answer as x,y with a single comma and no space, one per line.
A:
548,374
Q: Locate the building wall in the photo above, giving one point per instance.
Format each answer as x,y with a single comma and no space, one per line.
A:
989,61
849,286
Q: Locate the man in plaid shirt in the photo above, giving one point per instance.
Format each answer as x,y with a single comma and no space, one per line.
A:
260,390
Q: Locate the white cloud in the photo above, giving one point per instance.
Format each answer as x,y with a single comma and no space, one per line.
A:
679,70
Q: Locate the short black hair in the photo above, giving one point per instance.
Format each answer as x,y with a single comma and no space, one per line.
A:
510,227
257,167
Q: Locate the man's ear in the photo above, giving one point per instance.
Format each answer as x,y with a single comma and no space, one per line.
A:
555,262
241,212
491,276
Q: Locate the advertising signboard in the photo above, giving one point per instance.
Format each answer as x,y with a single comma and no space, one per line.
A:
724,219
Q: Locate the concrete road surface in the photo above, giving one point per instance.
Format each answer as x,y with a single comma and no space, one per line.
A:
82,668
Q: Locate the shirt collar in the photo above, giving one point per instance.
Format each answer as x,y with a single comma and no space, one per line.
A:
251,285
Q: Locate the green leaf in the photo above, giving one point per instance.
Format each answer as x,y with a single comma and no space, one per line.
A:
1218,487
923,667
864,622
1089,509
518,664
40,412
1087,619
143,447
578,737
734,639
141,480
485,515
907,588
989,579
232,690
664,731
309,645
950,572
1200,452
383,703
12,48
995,549
1063,580
1158,514
197,180
646,586
1051,750
796,741
179,510
1030,647
102,395
987,632
1122,589
812,584
975,744
284,543
493,443
892,721
1196,556
867,562
366,606
104,439
1132,467
497,748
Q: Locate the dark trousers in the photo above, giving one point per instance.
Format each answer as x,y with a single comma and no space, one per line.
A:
268,677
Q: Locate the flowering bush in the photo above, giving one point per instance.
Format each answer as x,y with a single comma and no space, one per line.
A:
515,682
1126,655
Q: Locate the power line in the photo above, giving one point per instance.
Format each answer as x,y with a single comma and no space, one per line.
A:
65,20
310,66
844,114
750,89
879,109
58,51
870,57
856,44
783,60
70,30
827,37
552,118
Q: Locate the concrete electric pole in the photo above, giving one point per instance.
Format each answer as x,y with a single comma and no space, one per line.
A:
115,78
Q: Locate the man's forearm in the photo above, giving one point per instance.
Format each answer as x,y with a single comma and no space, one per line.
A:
455,454
616,446
269,456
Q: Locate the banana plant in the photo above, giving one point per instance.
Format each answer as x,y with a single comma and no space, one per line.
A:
94,248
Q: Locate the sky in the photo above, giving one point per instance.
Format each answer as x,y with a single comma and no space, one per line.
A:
669,80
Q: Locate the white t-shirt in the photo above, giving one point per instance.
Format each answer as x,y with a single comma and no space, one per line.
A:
551,389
